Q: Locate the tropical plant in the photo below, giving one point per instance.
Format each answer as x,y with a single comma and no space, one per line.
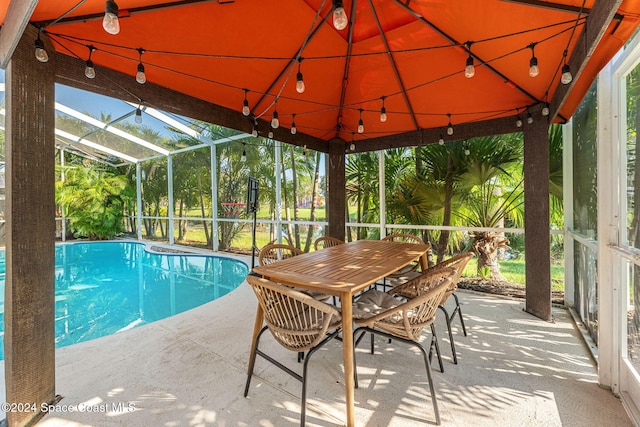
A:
93,201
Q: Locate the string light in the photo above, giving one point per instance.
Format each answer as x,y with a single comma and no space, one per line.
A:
519,120
40,52
89,71
466,149
243,158
275,123
383,112
110,21
360,123
566,75
254,132
441,140
340,19
293,125
141,77
299,80
270,134
449,126
545,110
533,62
529,117
469,70
245,104
138,115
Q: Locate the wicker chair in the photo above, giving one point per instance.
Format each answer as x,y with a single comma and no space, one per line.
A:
298,322
409,271
275,252
380,313
413,287
326,242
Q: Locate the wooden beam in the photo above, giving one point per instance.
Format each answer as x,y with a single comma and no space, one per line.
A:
429,136
69,71
15,22
336,178
29,311
598,20
536,220
558,7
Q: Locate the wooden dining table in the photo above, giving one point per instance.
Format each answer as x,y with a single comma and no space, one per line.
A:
343,271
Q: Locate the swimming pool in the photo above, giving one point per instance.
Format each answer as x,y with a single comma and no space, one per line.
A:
106,287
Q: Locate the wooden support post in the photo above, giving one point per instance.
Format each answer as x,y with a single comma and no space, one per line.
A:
30,240
536,218
336,204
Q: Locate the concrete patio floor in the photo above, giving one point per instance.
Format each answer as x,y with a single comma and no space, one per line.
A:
190,370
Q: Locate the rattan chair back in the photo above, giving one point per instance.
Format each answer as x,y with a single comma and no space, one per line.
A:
326,242
276,252
296,320
408,320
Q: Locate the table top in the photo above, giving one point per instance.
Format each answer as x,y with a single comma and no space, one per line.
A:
350,267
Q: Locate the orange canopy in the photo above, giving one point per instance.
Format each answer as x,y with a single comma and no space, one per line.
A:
406,55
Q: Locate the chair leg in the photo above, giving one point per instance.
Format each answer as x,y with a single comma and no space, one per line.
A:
459,310
453,346
252,361
303,398
432,388
434,341
426,358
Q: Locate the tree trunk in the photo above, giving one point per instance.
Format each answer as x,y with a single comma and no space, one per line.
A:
294,181
446,220
286,205
486,246
204,223
314,194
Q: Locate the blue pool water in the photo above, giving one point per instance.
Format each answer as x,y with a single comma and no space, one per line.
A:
106,287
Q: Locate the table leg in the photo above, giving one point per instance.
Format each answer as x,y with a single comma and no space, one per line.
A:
256,330
424,262
347,354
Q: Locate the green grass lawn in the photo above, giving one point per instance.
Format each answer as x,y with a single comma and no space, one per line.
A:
512,270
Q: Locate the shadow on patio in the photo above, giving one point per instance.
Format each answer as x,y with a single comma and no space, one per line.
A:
190,370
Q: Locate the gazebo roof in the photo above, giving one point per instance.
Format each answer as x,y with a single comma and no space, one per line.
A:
408,56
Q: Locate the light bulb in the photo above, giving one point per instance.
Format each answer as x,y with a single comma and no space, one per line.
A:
533,67
352,147
450,129
270,135
469,70
41,53
89,71
299,83
340,19
383,114
110,21
140,75
254,132
566,75
275,123
293,128
243,158
138,115
545,110
245,108
360,126
441,141
467,151
529,118
519,122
